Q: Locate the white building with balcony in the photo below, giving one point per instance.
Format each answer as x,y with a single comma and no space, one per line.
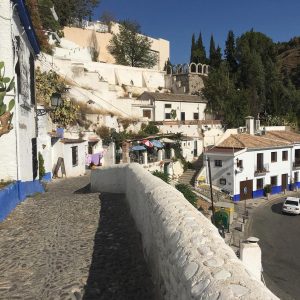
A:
244,163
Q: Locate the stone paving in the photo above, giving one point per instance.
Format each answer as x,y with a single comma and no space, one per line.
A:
71,244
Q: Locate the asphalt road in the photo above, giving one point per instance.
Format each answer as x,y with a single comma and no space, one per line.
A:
280,243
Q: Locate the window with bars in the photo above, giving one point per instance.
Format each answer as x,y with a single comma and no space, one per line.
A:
218,163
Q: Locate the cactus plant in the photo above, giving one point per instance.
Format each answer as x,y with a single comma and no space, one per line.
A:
6,85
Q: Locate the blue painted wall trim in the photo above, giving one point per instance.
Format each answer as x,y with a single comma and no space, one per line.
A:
47,177
276,189
258,193
15,193
236,197
297,184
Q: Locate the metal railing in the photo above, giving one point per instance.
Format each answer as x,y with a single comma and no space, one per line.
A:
296,164
261,169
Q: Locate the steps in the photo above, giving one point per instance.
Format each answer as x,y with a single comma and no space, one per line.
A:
186,177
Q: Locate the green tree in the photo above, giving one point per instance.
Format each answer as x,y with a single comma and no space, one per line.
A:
47,19
193,48
198,54
108,19
130,48
70,10
168,65
215,55
230,52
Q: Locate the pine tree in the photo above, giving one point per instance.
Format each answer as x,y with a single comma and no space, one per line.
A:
130,48
230,52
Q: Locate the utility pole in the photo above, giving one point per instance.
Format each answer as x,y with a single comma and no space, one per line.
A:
211,191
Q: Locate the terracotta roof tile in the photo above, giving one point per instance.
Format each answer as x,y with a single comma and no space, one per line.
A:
245,140
289,136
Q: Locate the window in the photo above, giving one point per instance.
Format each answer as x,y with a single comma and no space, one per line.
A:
222,181
296,176
240,163
284,155
168,105
273,156
147,113
167,116
273,180
74,156
196,116
259,183
218,163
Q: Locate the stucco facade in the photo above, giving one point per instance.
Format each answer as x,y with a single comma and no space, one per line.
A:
236,169
82,37
18,151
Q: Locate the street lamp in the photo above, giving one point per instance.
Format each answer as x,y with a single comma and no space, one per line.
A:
55,102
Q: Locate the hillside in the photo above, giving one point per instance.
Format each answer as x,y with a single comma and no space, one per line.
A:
289,59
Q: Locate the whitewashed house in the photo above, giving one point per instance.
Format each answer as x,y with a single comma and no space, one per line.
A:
54,144
244,163
163,106
18,151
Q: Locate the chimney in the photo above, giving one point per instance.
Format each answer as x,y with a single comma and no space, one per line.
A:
250,125
250,255
257,125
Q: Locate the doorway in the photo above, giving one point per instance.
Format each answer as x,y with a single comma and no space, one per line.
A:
182,116
284,182
246,189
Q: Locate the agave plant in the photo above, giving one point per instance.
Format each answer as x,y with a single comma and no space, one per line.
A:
6,85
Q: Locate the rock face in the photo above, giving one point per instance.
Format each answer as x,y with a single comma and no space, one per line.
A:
185,253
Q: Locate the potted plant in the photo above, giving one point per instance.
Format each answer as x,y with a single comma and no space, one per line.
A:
267,190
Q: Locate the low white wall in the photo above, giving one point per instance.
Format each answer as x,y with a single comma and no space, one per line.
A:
187,257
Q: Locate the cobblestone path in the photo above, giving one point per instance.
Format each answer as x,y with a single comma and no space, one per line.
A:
72,245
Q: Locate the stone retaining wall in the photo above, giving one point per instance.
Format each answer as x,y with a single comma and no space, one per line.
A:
187,257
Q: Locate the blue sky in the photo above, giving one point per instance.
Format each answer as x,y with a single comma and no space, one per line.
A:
177,20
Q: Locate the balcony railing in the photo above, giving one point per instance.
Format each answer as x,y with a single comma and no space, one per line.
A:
261,169
296,164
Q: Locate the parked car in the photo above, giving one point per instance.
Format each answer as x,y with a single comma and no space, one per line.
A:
291,205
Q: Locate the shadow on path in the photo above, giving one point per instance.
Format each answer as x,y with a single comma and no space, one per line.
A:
118,269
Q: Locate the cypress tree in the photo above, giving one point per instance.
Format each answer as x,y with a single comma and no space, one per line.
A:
230,52
212,49
193,48
199,53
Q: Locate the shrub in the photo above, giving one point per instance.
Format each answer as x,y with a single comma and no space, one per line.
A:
187,193
104,133
162,176
42,170
151,128
267,189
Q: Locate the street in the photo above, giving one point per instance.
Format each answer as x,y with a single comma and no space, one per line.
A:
280,244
